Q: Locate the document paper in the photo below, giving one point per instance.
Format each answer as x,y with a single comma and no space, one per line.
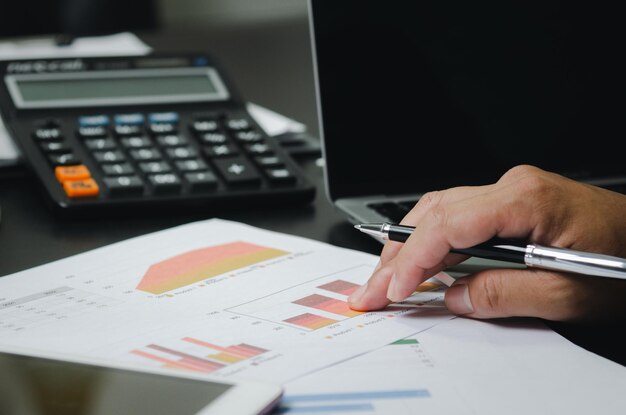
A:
213,297
465,366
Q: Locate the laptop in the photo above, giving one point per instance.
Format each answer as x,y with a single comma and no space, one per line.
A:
415,96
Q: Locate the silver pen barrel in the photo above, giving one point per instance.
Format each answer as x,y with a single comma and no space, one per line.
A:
568,260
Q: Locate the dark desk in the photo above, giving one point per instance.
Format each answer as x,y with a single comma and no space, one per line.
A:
31,235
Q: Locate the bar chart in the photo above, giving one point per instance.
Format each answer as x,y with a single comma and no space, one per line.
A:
192,354
201,264
311,306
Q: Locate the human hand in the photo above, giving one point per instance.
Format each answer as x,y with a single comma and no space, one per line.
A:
526,203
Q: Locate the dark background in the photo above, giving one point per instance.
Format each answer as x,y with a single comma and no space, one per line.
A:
76,17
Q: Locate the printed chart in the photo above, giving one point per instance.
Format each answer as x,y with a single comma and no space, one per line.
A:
198,355
201,264
365,402
46,307
213,297
310,306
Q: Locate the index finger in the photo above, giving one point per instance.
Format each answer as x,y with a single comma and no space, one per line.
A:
460,224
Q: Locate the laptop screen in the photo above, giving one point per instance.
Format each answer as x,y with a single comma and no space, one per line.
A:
424,95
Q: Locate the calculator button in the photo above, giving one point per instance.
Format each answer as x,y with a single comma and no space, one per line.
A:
155,167
93,121
204,126
128,129
180,153
54,147
258,149
165,183
124,185
66,159
280,176
221,151
249,136
238,124
112,156
81,188
65,173
237,170
191,165
118,169
213,138
163,117
97,131
269,161
171,140
201,181
162,128
136,142
51,133
146,154
129,119
100,144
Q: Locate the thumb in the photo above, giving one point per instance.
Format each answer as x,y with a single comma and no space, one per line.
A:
498,293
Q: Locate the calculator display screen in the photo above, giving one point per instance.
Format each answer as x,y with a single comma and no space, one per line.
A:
142,86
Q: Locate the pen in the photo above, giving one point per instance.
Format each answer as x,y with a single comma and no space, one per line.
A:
532,255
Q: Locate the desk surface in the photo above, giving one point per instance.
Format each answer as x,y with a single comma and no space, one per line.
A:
31,235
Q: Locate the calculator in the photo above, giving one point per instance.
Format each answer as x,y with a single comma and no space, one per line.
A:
103,134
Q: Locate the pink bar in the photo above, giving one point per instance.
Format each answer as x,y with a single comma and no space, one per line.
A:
159,359
215,347
186,357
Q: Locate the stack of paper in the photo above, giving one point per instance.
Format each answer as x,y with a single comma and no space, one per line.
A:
226,299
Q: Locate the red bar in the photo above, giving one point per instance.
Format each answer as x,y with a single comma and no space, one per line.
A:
310,321
175,363
187,357
215,347
340,287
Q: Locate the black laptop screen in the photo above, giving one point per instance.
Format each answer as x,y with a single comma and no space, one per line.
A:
424,95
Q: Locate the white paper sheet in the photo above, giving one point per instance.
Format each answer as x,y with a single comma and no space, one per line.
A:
9,154
118,44
214,297
466,366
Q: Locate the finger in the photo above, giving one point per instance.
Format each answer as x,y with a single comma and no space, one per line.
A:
500,293
425,203
460,224
372,295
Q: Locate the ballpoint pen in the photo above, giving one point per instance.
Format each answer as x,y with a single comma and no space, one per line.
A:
532,255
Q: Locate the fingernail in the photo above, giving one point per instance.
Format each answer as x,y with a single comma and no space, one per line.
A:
392,290
458,299
356,296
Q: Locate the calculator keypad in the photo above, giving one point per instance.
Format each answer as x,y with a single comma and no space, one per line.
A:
160,154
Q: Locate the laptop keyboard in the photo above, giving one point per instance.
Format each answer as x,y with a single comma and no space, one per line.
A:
394,211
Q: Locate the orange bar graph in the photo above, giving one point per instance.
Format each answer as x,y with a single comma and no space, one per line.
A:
200,264
427,286
340,287
331,305
182,363
229,354
310,321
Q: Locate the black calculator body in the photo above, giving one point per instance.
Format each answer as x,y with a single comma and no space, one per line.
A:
111,134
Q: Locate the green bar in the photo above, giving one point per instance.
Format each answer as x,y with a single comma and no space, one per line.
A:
405,341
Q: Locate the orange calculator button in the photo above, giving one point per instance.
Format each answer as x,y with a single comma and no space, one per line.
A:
65,173
81,188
